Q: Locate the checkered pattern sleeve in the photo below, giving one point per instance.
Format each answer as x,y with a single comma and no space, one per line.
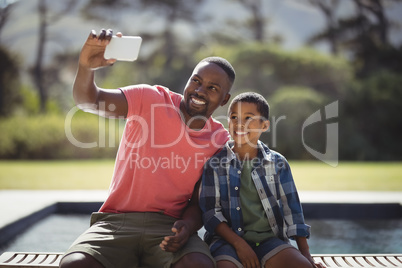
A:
210,199
290,203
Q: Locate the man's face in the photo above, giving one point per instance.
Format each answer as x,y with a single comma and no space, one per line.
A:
206,90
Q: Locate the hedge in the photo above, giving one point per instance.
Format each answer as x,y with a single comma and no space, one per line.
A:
77,136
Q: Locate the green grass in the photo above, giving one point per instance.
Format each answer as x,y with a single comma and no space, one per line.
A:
348,176
96,174
56,175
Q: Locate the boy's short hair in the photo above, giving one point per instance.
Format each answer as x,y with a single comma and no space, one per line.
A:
253,97
224,64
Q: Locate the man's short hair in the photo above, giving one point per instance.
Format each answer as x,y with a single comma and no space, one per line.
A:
257,99
224,64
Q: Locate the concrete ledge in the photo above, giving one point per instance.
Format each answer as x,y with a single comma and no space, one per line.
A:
352,211
25,208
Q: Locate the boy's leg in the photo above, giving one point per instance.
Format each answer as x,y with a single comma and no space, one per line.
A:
225,255
289,257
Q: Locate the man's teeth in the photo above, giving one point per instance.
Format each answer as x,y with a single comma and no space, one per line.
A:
199,102
241,133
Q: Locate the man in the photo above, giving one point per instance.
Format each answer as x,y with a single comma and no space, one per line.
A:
151,215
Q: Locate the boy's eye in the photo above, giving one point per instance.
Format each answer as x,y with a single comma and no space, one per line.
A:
233,117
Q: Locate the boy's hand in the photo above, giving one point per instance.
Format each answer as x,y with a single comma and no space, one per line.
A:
247,256
92,52
175,242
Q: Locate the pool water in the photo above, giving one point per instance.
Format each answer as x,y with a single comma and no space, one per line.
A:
56,233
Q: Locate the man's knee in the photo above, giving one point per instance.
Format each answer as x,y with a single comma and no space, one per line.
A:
78,260
194,260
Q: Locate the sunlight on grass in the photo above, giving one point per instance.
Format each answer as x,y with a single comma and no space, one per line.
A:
51,175
96,174
348,176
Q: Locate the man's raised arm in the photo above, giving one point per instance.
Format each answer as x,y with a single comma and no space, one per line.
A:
87,95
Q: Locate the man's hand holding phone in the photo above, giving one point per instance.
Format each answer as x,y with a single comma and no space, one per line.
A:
98,50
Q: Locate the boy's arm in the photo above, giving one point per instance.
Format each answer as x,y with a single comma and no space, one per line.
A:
291,205
190,223
305,251
87,95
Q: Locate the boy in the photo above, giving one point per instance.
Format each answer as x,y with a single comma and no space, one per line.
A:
248,197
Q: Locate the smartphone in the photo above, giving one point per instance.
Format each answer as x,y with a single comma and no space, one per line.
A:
125,48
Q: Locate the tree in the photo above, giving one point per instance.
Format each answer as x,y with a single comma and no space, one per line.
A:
364,35
173,11
46,18
9,69
257,23
328,8
168,59
9,82
5,10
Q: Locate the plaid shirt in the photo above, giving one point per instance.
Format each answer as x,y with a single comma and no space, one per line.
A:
220,193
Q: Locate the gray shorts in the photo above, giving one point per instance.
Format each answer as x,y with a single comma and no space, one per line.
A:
132,240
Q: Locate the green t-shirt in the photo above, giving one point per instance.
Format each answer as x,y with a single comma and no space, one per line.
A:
256,226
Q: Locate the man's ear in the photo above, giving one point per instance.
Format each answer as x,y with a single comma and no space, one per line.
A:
227,98
266,123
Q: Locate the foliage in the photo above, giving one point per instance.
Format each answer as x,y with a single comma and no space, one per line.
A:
290,107
265,68
364,35
57,137
9,83
372,118
296,83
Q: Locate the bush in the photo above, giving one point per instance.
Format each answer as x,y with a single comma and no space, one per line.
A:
58,137
290,107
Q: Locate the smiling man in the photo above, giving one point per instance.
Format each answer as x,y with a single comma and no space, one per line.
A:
151,215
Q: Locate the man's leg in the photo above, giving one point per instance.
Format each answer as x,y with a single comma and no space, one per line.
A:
79,260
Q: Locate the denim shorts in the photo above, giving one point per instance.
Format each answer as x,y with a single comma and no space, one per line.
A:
132,240
264,251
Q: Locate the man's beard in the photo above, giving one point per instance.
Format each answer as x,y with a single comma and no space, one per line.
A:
196,112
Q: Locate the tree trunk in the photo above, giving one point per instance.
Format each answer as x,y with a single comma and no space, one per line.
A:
38,75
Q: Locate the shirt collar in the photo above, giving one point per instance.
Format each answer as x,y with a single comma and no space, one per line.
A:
263,152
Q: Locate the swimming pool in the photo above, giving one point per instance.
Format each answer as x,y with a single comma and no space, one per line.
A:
56,232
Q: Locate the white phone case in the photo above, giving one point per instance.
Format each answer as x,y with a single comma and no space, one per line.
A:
125,48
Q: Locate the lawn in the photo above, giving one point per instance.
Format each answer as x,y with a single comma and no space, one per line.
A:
96,174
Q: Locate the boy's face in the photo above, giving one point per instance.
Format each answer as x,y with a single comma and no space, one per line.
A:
246,124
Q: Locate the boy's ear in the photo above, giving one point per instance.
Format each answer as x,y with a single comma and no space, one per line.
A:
266,125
